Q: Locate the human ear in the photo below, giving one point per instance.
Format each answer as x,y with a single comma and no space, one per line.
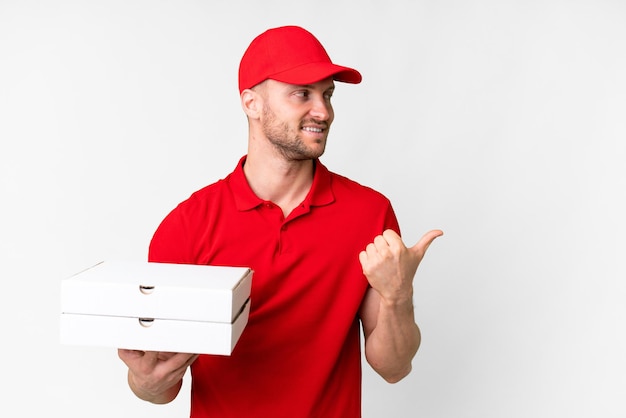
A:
251,103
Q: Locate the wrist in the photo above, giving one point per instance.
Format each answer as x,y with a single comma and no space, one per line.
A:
400,301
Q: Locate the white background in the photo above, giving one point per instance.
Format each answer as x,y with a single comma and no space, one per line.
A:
501,122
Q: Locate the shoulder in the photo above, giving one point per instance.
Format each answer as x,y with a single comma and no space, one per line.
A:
195,210
175,239
345,187
365,205
207,193
204,197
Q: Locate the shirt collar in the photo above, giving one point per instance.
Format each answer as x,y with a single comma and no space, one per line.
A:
321,192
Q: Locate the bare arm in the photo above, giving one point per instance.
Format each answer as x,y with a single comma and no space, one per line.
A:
156,377
391,335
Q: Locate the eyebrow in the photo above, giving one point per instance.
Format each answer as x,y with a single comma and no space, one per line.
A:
329,90
312,86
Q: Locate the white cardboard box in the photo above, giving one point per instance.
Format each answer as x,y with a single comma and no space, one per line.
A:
156,307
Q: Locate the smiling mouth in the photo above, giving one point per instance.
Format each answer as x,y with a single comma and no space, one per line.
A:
312,129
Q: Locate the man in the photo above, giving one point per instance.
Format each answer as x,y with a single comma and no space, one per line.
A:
325,251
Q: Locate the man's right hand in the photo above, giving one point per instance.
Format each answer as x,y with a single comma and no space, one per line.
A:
156,376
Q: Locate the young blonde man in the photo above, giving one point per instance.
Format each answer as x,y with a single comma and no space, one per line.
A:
326,253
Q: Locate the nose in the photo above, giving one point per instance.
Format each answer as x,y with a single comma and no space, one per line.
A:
321,109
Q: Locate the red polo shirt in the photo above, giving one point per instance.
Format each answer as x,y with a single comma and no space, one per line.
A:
299,355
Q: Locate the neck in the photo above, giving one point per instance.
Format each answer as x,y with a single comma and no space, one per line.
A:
285,183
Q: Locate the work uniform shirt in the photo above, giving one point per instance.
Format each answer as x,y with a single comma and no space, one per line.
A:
299,355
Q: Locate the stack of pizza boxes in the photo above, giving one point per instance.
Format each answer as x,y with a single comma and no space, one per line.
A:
164,307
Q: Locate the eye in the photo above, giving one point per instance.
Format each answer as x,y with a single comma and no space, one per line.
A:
302,94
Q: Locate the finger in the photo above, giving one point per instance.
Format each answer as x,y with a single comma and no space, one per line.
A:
391,236
363,258
165,355
192,359
394,241
182,359
179,363
127,355
424,242
152,356
380,244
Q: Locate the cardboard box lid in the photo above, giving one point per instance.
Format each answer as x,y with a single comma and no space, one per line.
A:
158,290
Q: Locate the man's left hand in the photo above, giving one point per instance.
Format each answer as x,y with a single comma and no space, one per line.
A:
390,266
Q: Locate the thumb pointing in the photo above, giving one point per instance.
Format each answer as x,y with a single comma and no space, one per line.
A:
424,242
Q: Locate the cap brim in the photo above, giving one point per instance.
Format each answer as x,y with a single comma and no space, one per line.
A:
314,72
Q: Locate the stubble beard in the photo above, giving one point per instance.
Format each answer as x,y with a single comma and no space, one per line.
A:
286,141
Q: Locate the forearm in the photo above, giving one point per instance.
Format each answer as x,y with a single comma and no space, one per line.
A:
162,397
394,341
391,335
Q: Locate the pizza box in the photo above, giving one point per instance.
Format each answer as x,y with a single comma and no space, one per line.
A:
156,306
